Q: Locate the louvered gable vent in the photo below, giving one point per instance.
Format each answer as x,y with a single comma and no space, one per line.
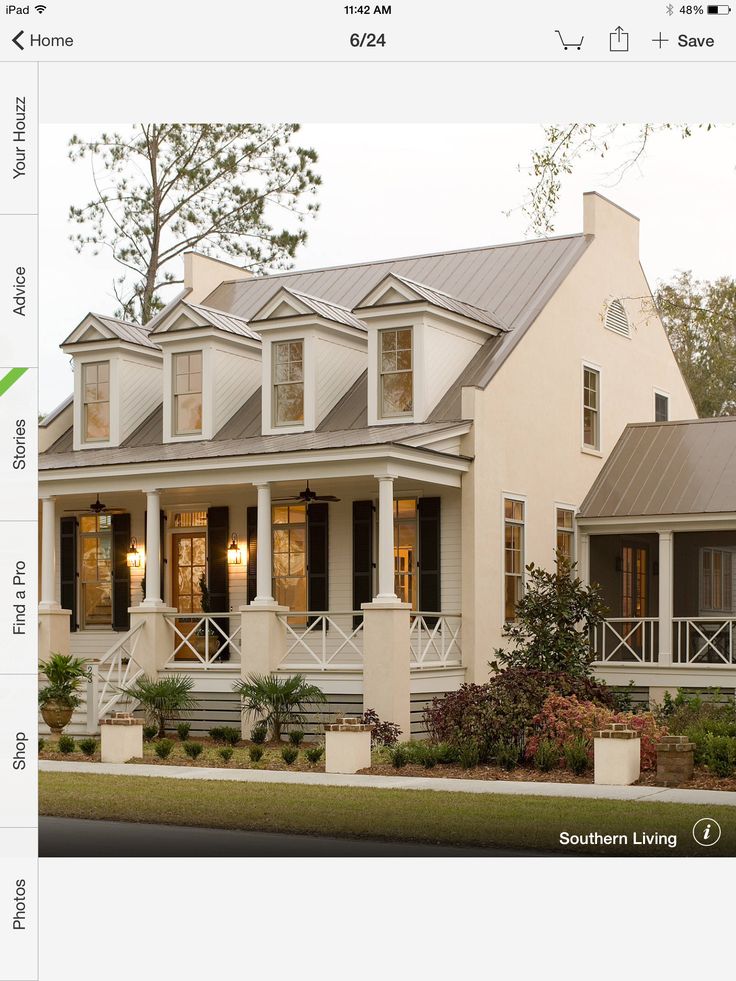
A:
616,319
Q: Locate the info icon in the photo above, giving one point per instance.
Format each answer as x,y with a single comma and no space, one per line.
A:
706,832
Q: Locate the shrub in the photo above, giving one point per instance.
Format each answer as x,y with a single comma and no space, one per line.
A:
230,735
149,733
719,755
564,718
507,755
216,734
383,733
699,718
314,753
66,744
468,754
399,756
289,754
41,744
88,746
225,753
182,731
425,755
280,702
65,676
554,622
446,753
296,737
163,748
547,755
193,750
576,752
163,699
259,733
255,753
504,708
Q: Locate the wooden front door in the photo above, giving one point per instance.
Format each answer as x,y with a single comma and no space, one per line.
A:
634,592
189,565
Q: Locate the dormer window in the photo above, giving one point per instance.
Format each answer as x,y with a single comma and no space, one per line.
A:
188,393
288,383
96,399
396,372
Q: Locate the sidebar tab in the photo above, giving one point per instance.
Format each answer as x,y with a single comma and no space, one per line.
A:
18,521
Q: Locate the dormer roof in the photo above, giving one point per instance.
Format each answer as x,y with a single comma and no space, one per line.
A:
184,315
96,328
289,302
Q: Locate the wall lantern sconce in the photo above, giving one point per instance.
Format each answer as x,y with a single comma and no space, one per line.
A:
234,552
134,557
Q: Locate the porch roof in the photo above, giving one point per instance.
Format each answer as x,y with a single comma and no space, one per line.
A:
668,468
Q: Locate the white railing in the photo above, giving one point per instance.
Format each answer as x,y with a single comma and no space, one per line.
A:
627,639
434,640
704,640
115,670
200,637
327,640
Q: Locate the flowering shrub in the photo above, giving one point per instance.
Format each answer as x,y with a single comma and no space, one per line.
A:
383,733
566,718
503,710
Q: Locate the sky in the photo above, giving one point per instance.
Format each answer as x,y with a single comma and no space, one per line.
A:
403,189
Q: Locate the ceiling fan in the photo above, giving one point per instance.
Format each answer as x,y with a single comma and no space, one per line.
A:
96,507
307,496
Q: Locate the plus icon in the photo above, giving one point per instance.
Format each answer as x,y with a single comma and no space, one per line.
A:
660,40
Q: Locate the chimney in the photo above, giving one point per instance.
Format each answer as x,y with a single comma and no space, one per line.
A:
606,220
203,274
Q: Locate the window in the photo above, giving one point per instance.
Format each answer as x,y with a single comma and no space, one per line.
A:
188,393
716,579
566,532
513,555
95,535
661,407
396,375
96,399
289,539
189,519
288,383
591,408
405,551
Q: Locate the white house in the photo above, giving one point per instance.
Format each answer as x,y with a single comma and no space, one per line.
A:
449,411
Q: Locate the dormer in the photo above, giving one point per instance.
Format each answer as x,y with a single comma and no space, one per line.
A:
211,366
419,340
117,380
313,352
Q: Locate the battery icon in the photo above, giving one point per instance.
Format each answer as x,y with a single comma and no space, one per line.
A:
719,8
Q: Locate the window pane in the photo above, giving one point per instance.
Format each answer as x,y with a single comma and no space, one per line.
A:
388,361
397,394
403,340
103,371
281,353
97,421
289,404
388,340
189,413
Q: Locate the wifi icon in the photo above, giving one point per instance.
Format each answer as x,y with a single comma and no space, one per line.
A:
39,9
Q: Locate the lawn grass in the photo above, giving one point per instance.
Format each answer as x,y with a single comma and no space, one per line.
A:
400,815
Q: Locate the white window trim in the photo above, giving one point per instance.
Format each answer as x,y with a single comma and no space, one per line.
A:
585,447
179,354
511,496
715,611
207,351
309,340
665,395
288,426
396,322
79,442
380,374
565,507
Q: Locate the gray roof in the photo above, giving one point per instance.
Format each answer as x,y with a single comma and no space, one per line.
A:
668,468
253,445
446,302
122,330
323,308
221,321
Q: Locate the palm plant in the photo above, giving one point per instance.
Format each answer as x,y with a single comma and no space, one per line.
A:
278,702
65,675
163,700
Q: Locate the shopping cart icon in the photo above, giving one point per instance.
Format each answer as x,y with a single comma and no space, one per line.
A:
570,44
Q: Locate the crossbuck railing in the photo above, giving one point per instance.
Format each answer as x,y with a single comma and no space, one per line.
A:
627,639
704,640
204,637
434,640
117,669
327,640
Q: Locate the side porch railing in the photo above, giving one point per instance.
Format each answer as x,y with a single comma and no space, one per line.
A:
325,640
116,669
626,640
434,640
204,639
704,640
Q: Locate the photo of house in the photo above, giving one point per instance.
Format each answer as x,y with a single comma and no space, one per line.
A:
345,471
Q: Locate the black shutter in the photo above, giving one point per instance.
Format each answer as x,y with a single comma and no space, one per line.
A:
429,556
362,555
317,558
251,531
120,572
218,522
68,568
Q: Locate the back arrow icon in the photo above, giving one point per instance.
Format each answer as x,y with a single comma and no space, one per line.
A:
16,42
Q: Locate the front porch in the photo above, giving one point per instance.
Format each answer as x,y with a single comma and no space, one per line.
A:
671,602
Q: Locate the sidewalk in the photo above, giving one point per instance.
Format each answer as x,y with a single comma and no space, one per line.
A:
532,789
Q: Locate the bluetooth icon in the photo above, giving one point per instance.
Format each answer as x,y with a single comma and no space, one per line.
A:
670,9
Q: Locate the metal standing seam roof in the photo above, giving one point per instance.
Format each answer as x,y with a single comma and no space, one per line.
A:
446,302
323,308
224,321
668,468
122,330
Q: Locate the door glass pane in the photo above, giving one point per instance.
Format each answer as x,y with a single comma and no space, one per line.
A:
405,551
289,558
96,570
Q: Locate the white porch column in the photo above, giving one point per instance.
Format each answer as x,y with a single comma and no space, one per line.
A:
584,558
48,555
386,587
666,582
264,559
153,550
